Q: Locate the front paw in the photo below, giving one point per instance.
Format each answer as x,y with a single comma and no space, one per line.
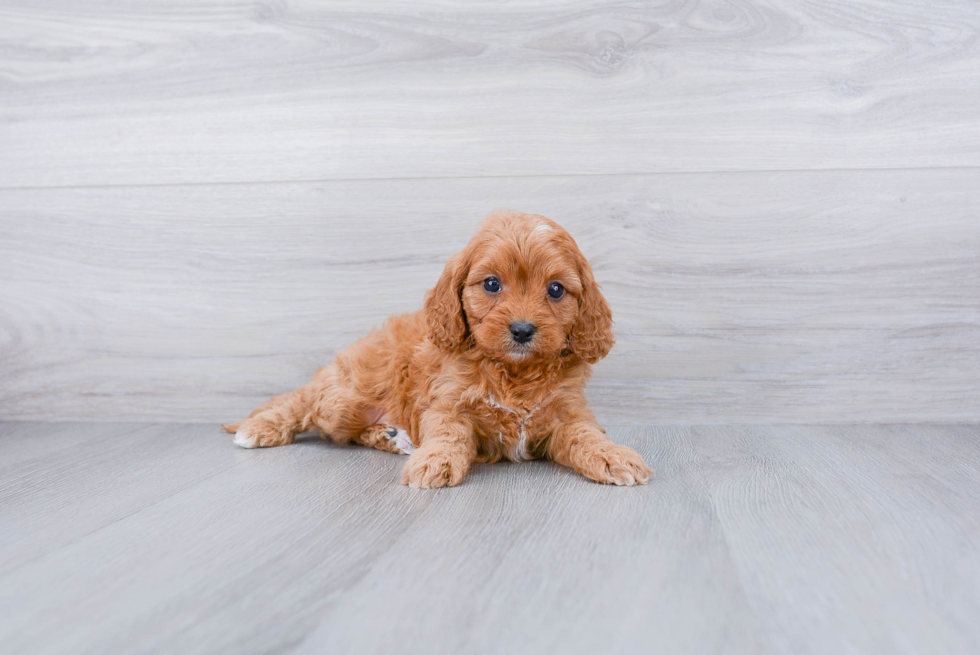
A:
429,469
252,433
615,464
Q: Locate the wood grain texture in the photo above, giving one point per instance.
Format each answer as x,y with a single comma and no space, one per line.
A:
750,297
750,539
97,93
882,560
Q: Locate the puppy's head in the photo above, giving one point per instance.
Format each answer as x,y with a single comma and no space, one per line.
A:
520,289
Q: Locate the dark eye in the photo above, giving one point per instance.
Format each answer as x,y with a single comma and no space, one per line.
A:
491,285
556,291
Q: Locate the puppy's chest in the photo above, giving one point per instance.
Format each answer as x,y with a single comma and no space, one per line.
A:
511,430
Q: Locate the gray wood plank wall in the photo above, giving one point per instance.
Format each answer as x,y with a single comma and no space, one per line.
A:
200,202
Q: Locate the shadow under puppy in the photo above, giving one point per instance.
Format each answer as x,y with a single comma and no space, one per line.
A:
493,366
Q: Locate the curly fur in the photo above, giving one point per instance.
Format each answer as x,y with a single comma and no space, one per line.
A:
455,379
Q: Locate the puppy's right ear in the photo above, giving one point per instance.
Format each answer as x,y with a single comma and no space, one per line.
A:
444,305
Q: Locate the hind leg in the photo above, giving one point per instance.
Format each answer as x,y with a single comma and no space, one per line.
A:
275,423
386,437
272,402
330,403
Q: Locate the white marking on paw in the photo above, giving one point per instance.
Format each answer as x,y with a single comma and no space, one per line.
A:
245,440
403,442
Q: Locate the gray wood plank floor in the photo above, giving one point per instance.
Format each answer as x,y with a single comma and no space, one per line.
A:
776,539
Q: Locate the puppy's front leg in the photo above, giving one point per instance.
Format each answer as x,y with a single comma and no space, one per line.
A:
584,447
447,448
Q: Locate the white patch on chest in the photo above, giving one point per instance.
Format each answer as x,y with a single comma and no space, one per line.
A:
520,452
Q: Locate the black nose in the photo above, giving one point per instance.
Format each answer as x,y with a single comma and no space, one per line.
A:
522,331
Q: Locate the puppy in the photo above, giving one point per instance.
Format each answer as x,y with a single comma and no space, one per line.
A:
493,366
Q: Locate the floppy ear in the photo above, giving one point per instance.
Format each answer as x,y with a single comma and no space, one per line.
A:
444,305
591,337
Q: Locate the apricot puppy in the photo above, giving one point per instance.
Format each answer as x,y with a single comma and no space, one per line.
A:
493,366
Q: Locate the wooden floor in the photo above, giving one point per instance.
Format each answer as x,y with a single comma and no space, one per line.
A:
779,539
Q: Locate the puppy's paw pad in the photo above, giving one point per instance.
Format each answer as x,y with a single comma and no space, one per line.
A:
245,440
400,440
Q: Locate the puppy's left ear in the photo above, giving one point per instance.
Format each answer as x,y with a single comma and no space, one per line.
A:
444,313
592,336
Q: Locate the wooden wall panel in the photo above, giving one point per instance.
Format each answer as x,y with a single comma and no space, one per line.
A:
137,92
767,297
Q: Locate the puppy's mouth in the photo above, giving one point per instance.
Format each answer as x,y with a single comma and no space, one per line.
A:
515,352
